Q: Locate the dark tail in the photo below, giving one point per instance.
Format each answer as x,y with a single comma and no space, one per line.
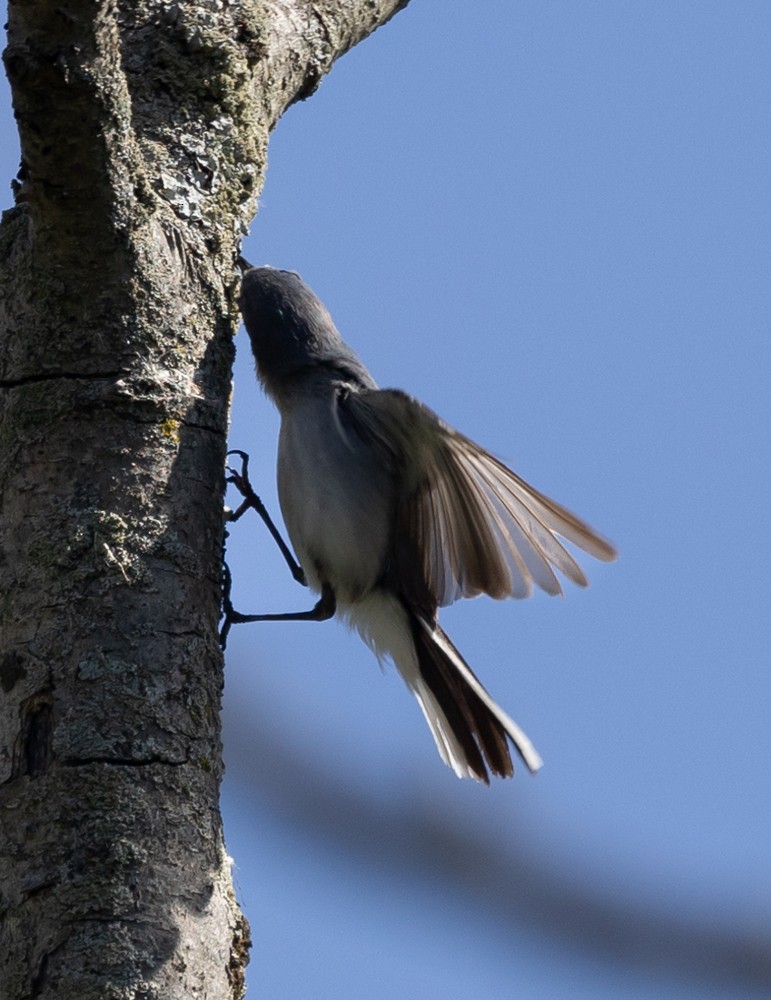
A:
470,730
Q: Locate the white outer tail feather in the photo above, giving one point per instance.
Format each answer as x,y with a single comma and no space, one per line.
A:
518,737
382,622
449,749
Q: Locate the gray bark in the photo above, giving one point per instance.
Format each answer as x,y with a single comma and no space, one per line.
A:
143,129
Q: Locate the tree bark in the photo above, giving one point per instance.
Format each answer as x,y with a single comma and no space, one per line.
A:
144,129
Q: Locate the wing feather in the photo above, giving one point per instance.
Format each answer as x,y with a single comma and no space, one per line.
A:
465,523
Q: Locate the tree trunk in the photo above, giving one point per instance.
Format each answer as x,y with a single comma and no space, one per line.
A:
143,129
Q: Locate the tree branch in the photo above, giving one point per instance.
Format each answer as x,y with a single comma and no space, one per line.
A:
144,129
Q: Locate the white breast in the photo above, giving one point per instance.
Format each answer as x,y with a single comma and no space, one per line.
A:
335,496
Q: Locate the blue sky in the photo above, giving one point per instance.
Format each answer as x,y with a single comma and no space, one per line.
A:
551,223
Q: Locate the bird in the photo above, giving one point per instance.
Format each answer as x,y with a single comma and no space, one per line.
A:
393,513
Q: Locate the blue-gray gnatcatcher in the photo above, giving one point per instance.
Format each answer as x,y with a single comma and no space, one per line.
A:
392,514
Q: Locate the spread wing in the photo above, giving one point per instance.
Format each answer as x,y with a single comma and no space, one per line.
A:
465,523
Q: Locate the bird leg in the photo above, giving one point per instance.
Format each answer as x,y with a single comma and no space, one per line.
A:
326,604
241,482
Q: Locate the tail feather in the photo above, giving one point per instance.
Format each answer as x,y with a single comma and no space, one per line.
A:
479,726
452,752
452,723
471,732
